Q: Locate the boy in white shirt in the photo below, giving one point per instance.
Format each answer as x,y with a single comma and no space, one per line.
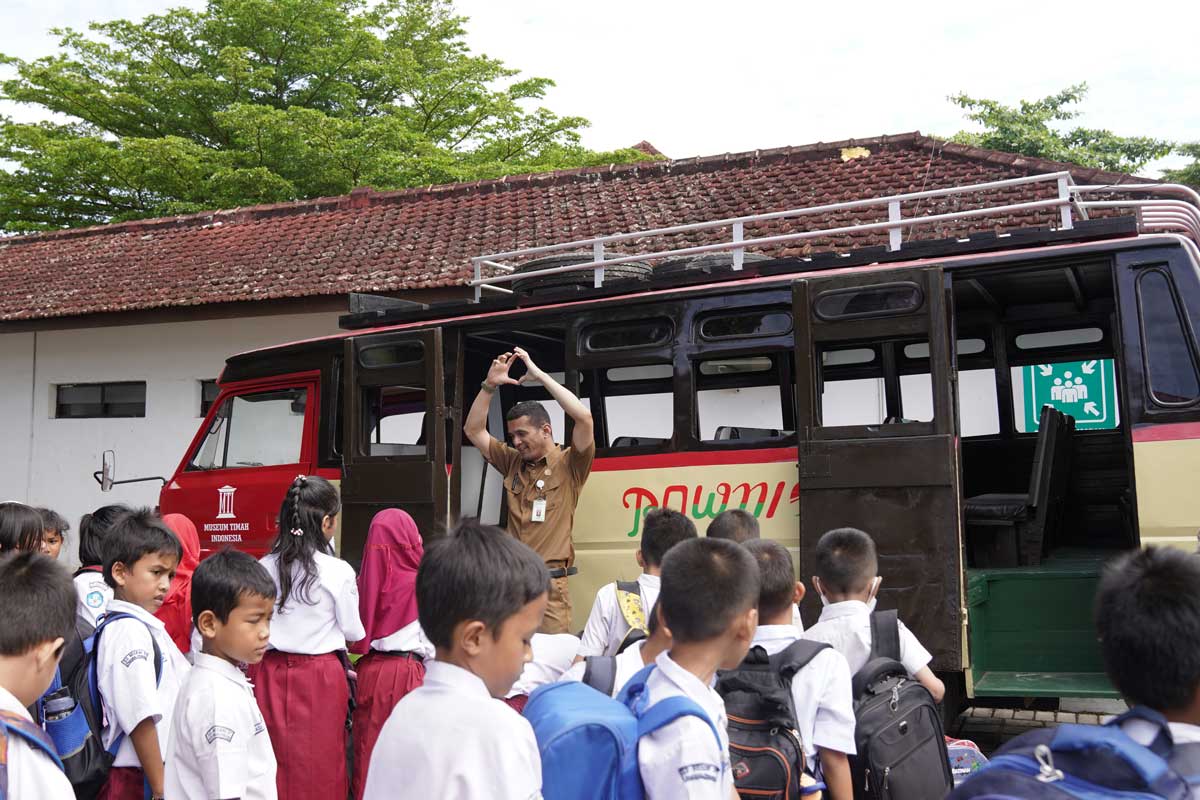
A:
616,613
821,695
38,602
219,743
138,694
739,525
595,670
709,598
481,595
848,580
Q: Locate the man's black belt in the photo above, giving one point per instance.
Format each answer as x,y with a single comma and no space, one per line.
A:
563,572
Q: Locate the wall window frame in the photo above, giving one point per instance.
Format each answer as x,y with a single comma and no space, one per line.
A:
100,400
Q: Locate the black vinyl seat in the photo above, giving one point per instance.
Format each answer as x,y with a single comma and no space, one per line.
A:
1008,530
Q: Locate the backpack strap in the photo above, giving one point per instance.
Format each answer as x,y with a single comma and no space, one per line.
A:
667,711
629,600
796,656
885,635
600,673
1149,767
1183,758
93,678
13,723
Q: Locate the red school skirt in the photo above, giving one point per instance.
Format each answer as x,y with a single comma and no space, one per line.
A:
303,699
124,783
383,679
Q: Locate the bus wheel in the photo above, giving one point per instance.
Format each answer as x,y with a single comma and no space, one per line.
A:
579,281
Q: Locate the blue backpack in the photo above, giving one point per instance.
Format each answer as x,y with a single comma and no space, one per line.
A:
1088,761
12,724
589,741
73,715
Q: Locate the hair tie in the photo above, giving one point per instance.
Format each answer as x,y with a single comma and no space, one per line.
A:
300,478
297,532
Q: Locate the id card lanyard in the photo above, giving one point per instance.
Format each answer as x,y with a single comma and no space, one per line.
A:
539,505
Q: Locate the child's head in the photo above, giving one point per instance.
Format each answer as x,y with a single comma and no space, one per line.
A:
734,524
38,599
778,588
710,595
307,520
140,556
847,567
54,531
1148,621
92,529
233,599
20,527
664,528
480,598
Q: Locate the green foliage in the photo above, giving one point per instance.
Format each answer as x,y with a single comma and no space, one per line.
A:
1189,174
257,101
1029,129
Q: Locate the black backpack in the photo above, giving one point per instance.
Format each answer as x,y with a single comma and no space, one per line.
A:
764,744
898,729
600,673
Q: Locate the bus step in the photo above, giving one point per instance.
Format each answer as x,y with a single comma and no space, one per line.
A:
994,683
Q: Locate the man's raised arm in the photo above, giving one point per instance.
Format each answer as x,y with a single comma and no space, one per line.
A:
582,436
476,425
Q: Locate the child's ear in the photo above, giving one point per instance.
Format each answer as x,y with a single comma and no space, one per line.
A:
816,584
120,573
46,654
469,636
640,560
206,623
798,593
750,625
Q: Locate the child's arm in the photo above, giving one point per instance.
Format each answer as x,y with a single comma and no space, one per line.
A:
933,683
595,634
835,767
145,743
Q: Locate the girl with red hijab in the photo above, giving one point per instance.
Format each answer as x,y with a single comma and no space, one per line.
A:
176,610
395,647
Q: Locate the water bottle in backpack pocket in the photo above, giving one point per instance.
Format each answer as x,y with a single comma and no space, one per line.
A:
589,741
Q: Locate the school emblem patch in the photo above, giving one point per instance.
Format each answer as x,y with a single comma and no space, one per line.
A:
218,732
94,599
699,772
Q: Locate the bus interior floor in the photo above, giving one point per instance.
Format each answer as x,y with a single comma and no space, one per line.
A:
991,727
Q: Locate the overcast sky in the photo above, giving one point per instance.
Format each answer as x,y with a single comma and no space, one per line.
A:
701,78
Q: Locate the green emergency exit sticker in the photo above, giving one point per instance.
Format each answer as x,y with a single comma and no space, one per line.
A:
1087,390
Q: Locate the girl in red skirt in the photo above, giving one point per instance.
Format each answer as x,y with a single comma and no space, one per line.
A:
395,647
301,685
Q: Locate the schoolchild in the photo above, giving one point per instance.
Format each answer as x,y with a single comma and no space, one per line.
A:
176,610
553,655
140,556
632,659
609,623
219,746
821,694
93,591
848,581
709,603
734,524
20,527
481,595
54,531
395,647
301,685
38,603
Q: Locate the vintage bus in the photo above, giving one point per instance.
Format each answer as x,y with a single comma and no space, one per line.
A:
898,389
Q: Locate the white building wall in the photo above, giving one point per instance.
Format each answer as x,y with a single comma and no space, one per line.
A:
172,358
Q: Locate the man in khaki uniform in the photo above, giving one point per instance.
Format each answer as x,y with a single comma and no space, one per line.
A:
541,482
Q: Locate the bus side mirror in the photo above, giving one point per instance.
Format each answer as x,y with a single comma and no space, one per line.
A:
108,468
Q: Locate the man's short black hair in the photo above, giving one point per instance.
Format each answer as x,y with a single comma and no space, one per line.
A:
664,528
93,528
536,412
1148,621
706,583
134,535
223,579
53,521
38,601
846,560
777,577
476,572
734,524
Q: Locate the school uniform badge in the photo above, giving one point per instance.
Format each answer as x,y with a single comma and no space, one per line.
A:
94,599
134,655
699,772
218,732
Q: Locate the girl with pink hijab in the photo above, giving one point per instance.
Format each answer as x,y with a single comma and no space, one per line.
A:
176,610
395,647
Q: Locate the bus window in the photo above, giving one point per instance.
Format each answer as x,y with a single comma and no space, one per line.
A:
852,390
1170,365
254,430
638,405
395,420
739,398
978,404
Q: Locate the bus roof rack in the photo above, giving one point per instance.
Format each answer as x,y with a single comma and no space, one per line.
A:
1177,212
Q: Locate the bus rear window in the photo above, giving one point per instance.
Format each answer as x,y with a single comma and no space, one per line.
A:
868,301
746,325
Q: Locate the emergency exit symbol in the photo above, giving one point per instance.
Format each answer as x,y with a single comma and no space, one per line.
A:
1084,389
225,502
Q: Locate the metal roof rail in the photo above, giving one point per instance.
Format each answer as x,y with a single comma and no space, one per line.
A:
1153,214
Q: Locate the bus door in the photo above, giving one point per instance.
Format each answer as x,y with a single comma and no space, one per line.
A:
878,450
394,447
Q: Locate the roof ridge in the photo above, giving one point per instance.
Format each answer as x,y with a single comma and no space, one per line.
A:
1034,164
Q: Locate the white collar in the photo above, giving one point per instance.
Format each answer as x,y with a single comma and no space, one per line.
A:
846,608
221,667
691,685
10,703
145,616
650,581
775,633
450,676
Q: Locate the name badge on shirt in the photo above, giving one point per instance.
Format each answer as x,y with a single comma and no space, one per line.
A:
539,510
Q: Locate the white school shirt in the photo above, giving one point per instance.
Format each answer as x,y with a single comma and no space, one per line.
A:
821,694
684,759
629,663
125,677
409,639
219,743
553,654
328,620
94,596
847,626
606,627
31,773
449,739
1144,733
797,623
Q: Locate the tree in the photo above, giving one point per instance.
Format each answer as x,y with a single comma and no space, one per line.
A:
1189,174
258,101
1028,129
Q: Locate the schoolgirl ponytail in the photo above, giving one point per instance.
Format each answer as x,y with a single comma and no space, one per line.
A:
309,500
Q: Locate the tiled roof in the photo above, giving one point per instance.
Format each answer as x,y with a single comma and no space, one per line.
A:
371,241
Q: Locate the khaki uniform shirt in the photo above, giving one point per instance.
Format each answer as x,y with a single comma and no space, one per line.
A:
563,473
